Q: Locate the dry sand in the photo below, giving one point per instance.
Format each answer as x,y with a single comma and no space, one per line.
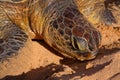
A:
44,64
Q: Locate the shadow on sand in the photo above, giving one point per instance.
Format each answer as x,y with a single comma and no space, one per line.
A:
47,72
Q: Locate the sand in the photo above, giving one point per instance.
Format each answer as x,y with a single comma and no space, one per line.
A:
38,61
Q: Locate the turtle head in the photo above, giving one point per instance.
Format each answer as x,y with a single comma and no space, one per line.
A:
86,42
71,34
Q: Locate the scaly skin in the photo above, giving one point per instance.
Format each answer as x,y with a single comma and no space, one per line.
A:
65,25
105,12
65,29
12,38
105,16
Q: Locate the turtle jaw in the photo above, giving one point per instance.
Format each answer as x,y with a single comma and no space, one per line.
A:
89,56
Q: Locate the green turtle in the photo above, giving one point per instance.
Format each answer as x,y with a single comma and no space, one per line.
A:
74,28
68,28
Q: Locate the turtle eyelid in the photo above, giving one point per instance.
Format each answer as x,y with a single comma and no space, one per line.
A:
79,43
82,44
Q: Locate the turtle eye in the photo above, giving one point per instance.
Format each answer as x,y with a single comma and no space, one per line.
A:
79,43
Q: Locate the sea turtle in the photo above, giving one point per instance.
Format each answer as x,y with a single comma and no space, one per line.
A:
66,27
71,27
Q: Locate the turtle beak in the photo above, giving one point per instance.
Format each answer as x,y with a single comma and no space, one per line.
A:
94,53
93,50
90,56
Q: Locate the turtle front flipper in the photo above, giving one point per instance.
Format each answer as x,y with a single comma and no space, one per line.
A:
13,59
12,38
101,12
